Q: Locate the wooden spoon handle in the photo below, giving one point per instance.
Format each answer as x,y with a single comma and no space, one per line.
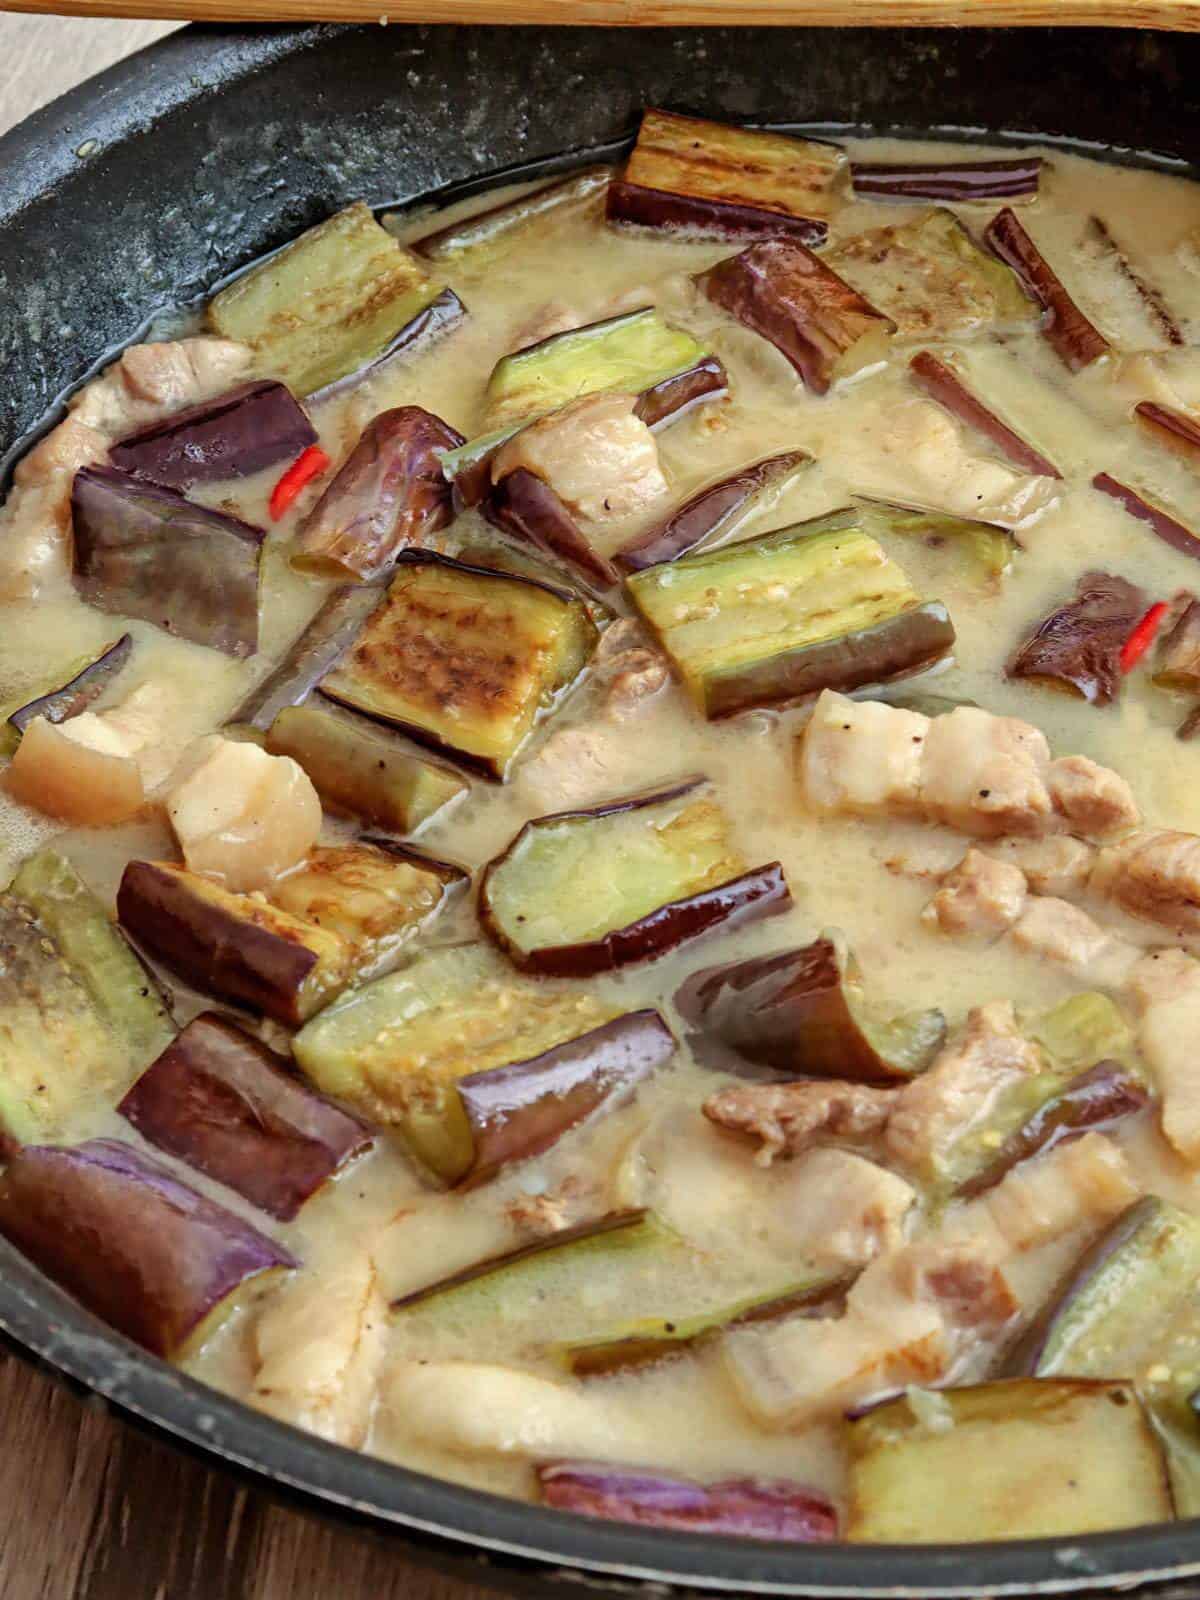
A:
1182,15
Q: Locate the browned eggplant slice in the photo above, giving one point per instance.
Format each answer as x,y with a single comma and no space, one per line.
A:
725,182
342,914
949,181
716,509
941,383
143,551
1179,654
582,892
82,689
740,1508
1074,339
803,1012
1161,523
136,1246
465,659
523,505
772,620
1104,1094
388,494
222,1102
1176,430
332,630
1077,648
361,769
440,317
783,292
673,397
1153,299
240,432
498,224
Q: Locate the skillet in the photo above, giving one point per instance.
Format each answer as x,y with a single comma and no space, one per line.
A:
149,184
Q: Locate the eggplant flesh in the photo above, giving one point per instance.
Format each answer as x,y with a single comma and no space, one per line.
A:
234,435
815,319
1161,523
1178,665
773,620
465,659
523,505
1024,1458
802,1012
141,1249
328,304
221,1101
1077,648
989,549
362,770
329,634
390,493
1166,426
943,384
725,182
144,551
486,230
591,891
719,509
83,688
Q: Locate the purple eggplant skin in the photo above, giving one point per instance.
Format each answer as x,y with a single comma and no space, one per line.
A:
1078,646
389,494
143,551
1095,1099
708,218
440,317
518,1111
706,512
332,630
1152,298
1190,726
1162,525
83,689
675,396
238,433
228,1106
130,1240
743,1508
1174,429
952,181
942,383
523,505
1075,340
483,227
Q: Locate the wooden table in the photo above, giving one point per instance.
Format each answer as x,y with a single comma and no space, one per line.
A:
89,1509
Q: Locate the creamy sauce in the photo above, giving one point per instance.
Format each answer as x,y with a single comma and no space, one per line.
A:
735,1215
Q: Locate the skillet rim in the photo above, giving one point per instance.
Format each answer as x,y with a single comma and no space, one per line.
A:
531,1544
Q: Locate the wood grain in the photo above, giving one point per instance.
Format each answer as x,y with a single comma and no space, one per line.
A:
1181,15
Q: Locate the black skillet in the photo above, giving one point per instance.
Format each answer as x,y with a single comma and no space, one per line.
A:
143,188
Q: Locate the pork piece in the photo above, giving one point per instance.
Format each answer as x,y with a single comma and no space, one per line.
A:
1054,865
629,669
35,523
1095,801
242,815
150,381
1055,930
1165,988
538,1216
847,1210
960,1088
1154,876
575,766
787,1118
966,1286
913,452
862,757
926,855
473,1408
319,1342
95,769
981,896
1162,975
985,775
598,457
1085,1182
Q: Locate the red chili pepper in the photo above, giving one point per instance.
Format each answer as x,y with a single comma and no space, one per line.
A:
309,464
1142,637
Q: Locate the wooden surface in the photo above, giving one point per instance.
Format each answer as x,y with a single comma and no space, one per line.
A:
1176,14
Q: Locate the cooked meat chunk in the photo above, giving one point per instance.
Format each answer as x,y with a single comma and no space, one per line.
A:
1154,876
862,757
1086,1182
574,766
1095,801
936,1108
1165,988
63,450
790,1117
1162,975
847,1210
922,853
1054,865
970,1290
598,457
319,1341
981,896
1058,931
152,380
985,775
540,1215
